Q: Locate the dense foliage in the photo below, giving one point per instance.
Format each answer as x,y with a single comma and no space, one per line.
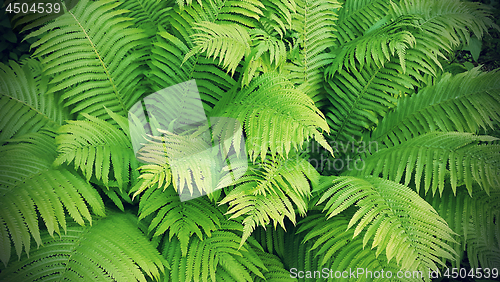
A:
368,146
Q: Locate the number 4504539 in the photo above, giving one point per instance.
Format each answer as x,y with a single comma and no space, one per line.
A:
479,273
36,8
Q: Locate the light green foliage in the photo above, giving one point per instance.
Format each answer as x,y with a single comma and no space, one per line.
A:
313,27
231,40
296,75
264,99
266,193
334,245
472,219
395,217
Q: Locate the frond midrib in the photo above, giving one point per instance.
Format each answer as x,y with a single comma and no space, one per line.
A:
408,117
277,111
73,247
199,54
115,90
354,105
436,148
32,108
403,226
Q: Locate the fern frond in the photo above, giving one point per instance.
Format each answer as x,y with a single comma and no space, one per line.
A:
432,155
276,117
443,22
318,243
395,219
271,239
427,37
275,269
265,195
202,155
483,233
30,186
278,16
474,219
358,16
215,258
267,54
314,26
228,42
465,102
113,249
442,27
175,43
148,14
186,3
332,244
95,145
24,105
359,98
92,54
182,219
376,46
168,69
151,175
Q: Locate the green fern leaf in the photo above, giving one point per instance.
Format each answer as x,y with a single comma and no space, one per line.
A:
24,104
483,233
376,47
267,54
357,17
182,219
265,195
275,269
442,26
473,219
276,117
166,66
113,249
334,247
215,257
29,184
86,61
94,145
465,102
228,42
278,16
395,219
168,69
329,245
314,26
431,155
148,14
359,98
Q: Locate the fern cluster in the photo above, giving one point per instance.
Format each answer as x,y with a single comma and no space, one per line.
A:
289,79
